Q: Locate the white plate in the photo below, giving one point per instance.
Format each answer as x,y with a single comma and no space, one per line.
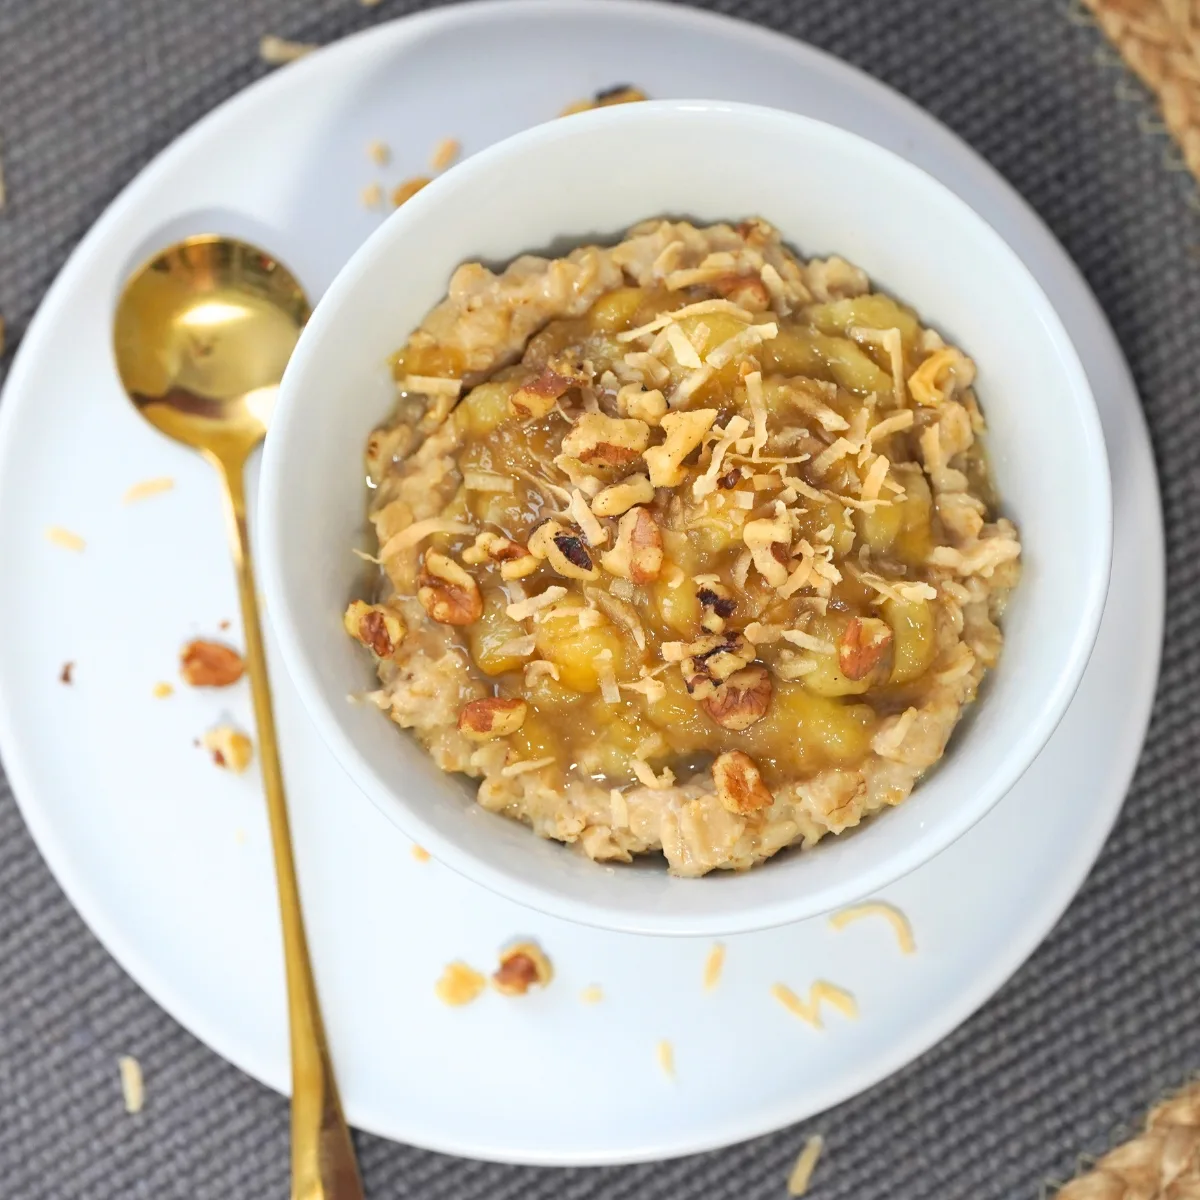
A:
142,832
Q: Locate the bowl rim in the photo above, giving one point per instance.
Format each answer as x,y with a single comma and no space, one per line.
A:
769,912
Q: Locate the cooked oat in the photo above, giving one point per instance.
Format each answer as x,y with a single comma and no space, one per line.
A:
420,854
877,908
748,598
162,690
379,152
65,538
371,196
592,994
148,488
802,1173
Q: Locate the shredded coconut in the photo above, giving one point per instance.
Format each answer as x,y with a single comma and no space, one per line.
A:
877,908
132,1088
524,766
65,538
713,965
526,608
806,1164
148,488
418,532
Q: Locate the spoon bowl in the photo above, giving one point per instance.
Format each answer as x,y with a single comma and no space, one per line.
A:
202,335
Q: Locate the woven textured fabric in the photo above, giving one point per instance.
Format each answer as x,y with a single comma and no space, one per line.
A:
1102,1021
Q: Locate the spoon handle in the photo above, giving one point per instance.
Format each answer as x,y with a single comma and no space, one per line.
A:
323,1162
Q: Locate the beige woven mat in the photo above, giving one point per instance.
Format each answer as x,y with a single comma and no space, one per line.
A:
1160,40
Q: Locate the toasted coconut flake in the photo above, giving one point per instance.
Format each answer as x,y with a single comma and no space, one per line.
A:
741,568
276,51
877,908
830,421
430,385
754,394
132,1089
810,1010
832,454
668,259
524,766
876,473
487,481
940,375
608,683
418,532
806,641
688,310
896,423
713,965
526,608
685,352
536,669
806,1164
445,153
582,515
148,488
459,985
798,578
893,346
737,345
646,775
707,483
762,635
65,538
665,1055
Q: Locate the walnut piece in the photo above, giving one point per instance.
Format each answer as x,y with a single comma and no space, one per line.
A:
376,626
637,554
621,497
862,646
711,660
537,396
740,786
521,967
210,664
635,401
230,749
747,291
491,717
447,593
514,559
717,603
597,440
564,550
741,700
685,431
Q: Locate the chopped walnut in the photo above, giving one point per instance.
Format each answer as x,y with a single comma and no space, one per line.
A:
229,748
621,497
565,551
718,605
537,397
514,559
748,291
862,646
522,966
637,554
597,440
376,626
741,700
447,593
711,660
740,786
492,717
685,431
635,401
210,664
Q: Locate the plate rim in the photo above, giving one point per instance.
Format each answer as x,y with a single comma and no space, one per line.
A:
1066,884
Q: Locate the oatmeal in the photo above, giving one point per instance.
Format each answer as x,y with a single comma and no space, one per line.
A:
687,545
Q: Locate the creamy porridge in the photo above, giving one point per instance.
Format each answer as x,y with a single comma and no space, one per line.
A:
687,546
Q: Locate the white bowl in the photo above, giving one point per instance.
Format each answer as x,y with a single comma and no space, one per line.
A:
589,178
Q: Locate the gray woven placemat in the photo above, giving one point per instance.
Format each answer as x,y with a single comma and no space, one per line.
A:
1106,1016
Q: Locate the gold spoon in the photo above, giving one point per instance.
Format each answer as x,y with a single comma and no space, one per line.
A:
202,335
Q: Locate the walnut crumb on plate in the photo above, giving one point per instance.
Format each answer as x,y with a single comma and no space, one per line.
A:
230,749
522,966
210,664
459,984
